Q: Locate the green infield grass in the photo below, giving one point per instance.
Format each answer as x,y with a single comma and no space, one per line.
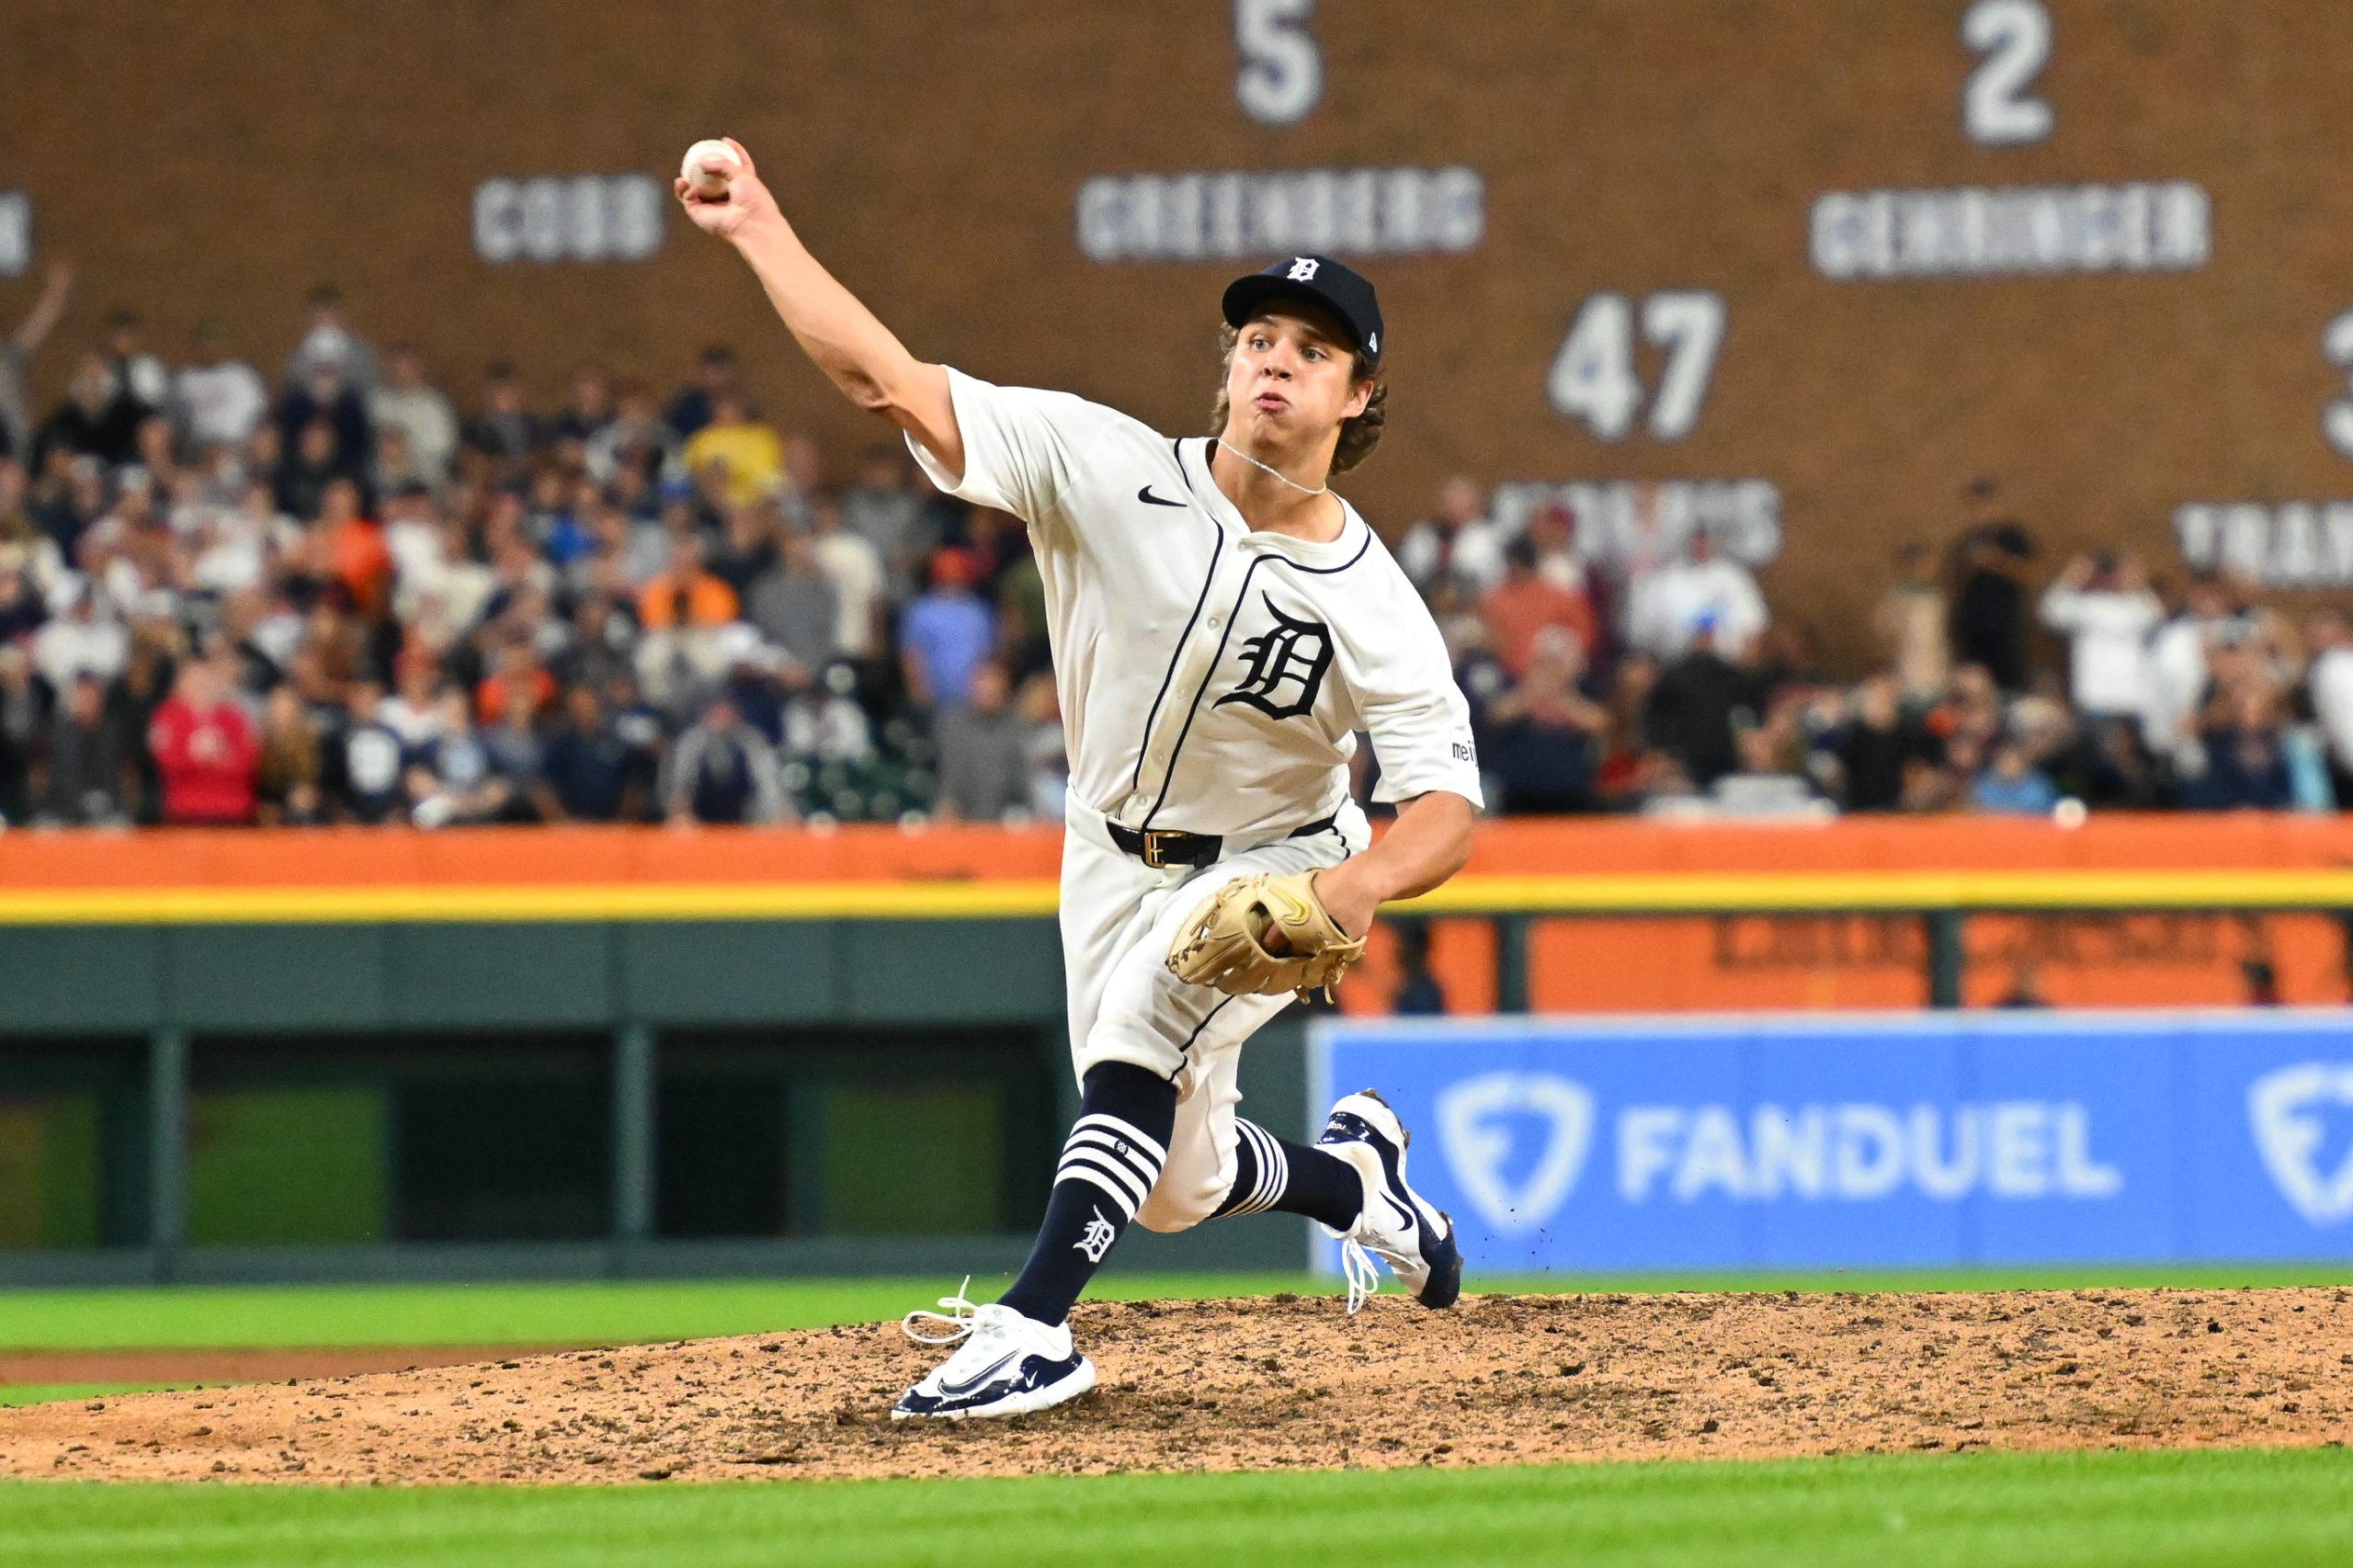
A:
2278,1509
240,1317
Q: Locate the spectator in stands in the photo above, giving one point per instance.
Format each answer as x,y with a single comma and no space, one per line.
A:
205,749
1543,736
2246,764
21,610
794,606
885,511
2329,680
721,771
326,398
136,372
1989,623
944,634
420,412
287,779
585,767
452,778
2102,604
2179,669
331,339
1912,621
519,756
16,359
1874,745
21,715
859,575
743,447
504,431
587,412
217,398
367,762
82,636
1701,700
1521,608
1457,540
984,752
714,377
97,418
629,452
86,773
1049,756
2010,783
1667,606
1769,780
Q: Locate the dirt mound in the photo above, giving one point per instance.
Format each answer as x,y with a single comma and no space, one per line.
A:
1292,1381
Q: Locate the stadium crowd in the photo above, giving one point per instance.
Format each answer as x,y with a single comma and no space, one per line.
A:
333,594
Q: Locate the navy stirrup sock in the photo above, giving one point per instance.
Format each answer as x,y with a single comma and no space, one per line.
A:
1111,1160
1278,1176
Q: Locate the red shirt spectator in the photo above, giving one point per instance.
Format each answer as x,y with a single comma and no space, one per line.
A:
1517,610
205,750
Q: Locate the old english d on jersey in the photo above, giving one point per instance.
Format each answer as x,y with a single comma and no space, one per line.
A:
1212,678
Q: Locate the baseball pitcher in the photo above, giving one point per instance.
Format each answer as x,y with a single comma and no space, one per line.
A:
1222,625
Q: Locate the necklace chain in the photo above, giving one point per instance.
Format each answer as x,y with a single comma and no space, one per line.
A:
1254,462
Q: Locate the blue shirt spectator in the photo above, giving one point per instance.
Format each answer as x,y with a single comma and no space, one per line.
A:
2012,784
946,634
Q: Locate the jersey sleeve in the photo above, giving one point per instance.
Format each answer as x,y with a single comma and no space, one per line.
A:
1418,718
1021,446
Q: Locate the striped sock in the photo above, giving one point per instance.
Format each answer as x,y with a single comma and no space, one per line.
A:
1109,1163
1275,1173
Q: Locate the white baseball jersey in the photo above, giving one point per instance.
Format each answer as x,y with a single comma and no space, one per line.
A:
1212,678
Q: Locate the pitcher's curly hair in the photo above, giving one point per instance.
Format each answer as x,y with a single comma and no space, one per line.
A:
1357,435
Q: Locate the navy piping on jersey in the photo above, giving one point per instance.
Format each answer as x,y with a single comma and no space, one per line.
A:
1239,599
1217,549
1189,1039
1193,708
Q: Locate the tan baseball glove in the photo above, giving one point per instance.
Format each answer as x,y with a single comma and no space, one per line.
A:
1225,941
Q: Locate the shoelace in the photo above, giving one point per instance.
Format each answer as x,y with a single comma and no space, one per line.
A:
958,1317
1362,1274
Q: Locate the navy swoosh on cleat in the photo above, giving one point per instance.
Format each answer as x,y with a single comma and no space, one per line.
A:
1146,496
956,1391
1404,1215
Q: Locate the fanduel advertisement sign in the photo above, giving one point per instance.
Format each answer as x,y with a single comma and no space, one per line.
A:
1563,1143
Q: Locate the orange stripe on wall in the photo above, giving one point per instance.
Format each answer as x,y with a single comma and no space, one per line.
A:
376,856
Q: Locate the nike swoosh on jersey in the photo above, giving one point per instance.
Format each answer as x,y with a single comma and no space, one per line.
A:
1146,496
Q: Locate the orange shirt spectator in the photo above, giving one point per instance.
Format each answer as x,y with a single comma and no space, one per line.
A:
1519,609
355,549
685,594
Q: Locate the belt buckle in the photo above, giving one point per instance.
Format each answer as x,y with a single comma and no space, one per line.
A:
1151,842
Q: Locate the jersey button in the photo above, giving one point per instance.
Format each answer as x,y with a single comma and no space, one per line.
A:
1215,622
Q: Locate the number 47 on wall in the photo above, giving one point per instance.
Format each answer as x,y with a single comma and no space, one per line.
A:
1593,377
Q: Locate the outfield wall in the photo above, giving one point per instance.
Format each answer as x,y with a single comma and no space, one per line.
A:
1917,1141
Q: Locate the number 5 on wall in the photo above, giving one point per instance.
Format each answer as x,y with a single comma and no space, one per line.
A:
1281,77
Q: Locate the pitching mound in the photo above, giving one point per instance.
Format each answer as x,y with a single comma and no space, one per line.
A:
1292,1381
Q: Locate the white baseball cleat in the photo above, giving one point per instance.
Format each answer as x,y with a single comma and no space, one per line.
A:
1008,1365
1397,1227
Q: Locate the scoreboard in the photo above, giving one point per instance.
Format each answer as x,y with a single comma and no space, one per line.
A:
1794,272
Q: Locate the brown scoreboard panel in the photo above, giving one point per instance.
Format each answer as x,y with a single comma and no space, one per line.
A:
1794,271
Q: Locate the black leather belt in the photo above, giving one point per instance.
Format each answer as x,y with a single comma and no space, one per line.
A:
1161,848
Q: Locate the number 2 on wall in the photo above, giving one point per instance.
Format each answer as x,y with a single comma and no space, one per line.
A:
1593,376
2015,37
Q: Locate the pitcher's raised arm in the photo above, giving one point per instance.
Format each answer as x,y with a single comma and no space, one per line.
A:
725,197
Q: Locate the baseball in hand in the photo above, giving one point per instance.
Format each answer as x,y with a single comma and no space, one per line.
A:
707,182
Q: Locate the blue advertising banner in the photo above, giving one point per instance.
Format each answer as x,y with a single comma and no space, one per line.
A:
1921,1139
